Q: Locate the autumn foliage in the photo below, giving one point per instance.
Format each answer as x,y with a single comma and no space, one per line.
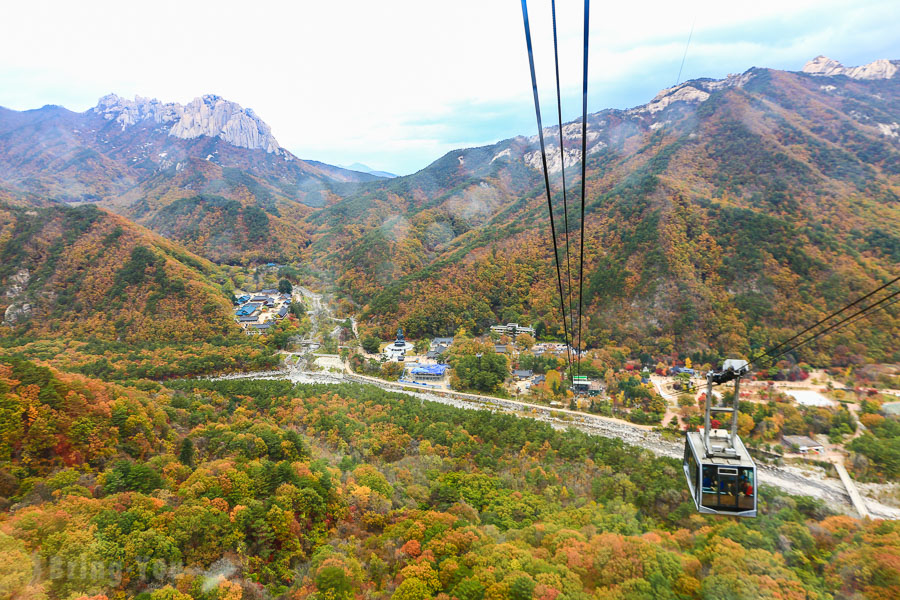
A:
351,492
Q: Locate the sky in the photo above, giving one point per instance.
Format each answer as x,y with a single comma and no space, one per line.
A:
396,84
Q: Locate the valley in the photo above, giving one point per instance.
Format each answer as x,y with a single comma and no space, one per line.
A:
806,479
231,373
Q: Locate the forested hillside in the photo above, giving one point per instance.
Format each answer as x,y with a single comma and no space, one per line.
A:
720,216
249,489
84,272
92,292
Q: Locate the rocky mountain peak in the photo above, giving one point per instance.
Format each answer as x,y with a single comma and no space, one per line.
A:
878,69
209,115
130,112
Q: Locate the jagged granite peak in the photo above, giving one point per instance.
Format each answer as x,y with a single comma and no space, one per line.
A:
694,91
130,112
209,115
877,69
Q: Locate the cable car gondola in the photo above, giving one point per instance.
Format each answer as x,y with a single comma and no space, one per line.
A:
720,474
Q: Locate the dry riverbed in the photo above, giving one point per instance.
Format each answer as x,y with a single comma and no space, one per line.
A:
811,481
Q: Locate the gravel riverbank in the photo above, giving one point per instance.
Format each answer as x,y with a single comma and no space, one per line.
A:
791,479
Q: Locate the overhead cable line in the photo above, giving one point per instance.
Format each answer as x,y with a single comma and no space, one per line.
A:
584,88
862,311
821,321
562,166
686,46
845,322
537,112
885,307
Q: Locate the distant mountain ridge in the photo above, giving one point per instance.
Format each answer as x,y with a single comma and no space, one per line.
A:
357,166
877,69
131,139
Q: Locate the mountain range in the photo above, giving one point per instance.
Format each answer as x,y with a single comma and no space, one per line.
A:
719,214
199,173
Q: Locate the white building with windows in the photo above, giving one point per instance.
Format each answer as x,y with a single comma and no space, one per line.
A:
512,329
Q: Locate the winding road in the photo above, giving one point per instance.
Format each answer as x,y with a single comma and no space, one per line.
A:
791,479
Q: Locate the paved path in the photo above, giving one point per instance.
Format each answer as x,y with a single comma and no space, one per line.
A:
493,400
855,497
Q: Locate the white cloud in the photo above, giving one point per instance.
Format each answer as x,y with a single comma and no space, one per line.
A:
345,81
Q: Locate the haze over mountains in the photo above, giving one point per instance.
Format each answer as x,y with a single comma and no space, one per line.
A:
367,169
736,206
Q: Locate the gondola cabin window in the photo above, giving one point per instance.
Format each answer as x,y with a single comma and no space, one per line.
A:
728,488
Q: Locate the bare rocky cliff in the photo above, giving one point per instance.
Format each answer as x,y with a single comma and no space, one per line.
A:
878,69
209,115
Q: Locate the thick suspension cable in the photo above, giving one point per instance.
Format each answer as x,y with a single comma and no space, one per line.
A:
862,311
821,321
540,126
562,164
584,88
875,310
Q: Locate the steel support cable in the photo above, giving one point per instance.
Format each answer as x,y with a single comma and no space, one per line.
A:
885,307
873,311
686,46
562,159
855,317
584,88
861,311
821,321
537,112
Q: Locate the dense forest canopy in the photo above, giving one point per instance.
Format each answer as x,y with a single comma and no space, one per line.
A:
241,488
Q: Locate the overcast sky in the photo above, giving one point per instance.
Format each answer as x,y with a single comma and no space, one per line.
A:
395,84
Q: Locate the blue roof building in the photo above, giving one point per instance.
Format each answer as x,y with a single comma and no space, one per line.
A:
247,309
429,372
